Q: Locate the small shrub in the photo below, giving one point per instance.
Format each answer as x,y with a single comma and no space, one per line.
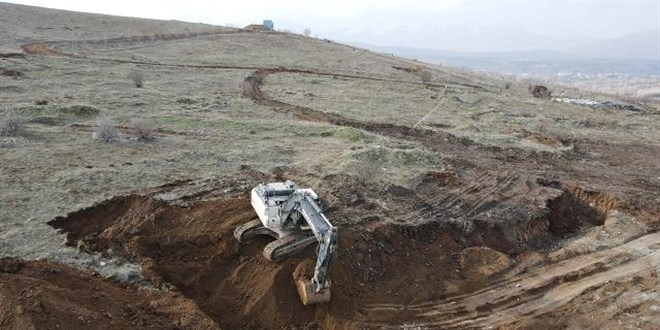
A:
9,125
10,73
307,32
507,85
426,76
251,86
41,102
351,134
80,110
106,130
541,128
367,171
142,130
540,91
185,100
137,76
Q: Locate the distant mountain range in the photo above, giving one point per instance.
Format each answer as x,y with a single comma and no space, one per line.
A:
637,55
457,37
643,45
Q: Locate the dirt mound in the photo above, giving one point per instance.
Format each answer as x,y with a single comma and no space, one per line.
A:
44,295
482,262
546,139
506,211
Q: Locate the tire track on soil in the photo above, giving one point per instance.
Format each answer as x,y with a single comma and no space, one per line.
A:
468,200
541,290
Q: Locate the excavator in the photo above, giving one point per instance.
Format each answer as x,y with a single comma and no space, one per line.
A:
293,216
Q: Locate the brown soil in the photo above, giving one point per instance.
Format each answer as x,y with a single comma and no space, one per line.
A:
194,250
386,273
482,262
45,295
549,140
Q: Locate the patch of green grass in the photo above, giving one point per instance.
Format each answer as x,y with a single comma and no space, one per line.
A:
257,127
57,114
85,111
353,135
185,123
396,157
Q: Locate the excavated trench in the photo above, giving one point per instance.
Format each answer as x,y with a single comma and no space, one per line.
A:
381,262
193,249
577,207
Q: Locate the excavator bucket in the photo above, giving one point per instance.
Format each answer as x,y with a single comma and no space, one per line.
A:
302,276
307,294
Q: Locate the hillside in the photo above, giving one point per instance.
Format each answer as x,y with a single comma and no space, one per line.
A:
461,200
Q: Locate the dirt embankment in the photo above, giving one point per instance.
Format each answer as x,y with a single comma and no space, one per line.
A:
44,295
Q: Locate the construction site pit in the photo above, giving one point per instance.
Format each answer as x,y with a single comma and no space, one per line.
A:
389,272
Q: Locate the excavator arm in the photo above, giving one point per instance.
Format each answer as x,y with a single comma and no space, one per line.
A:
303,203
325,234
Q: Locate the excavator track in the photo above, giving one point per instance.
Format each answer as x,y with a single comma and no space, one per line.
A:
249,230
288,245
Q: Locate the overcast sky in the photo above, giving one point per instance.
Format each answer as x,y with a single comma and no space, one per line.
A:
415,23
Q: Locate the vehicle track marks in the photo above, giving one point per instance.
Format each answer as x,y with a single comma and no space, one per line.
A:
537,291
482,193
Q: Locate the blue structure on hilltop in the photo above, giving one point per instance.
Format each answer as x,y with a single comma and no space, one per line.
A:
268,25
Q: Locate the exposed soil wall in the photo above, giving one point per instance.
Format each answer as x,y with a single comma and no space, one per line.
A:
44,295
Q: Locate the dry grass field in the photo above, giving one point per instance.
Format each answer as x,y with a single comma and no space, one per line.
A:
461,201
